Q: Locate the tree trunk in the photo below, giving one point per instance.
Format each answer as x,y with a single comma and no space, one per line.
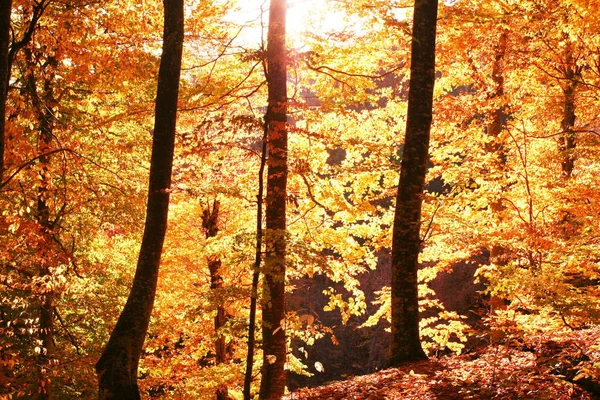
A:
8,52
568,138
210,224
46,327
256,268
406,241
46,323
273,301
497,124
117,368
44,105
499,255
5,11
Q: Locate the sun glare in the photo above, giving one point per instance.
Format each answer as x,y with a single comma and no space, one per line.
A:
313,16
316,16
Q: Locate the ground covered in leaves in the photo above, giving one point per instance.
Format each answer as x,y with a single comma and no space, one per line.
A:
542,366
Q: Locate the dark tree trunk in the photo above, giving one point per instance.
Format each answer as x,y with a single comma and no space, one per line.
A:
210,223
42,98
8,52
5,11
498,254
497,124
273,302
117,368
46,335
46,324
406,241
222,355
256,273
567,141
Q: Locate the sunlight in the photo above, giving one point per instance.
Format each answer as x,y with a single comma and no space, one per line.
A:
315,16
303,16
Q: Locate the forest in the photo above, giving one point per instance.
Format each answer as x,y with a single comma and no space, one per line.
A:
253,199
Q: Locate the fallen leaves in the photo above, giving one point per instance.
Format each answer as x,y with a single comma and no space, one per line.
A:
513,370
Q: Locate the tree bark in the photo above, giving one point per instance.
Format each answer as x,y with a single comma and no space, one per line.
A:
5,12
44,107
210,224
497,124
44,104
256,268
273,300
46,322
117,368
567,141
8,52
499,255
406,240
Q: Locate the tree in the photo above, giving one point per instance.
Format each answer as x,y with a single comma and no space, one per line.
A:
406,242
8,52
273,301
53,171
44,105
256,269
571,74
117,368
210,224
5,11
507,193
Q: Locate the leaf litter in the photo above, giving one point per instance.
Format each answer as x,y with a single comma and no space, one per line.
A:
552,366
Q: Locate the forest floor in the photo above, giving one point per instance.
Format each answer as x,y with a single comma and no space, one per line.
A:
541,366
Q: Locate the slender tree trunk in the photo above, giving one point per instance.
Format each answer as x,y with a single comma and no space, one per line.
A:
256,272
44,104
498,253
46,318
46,323
8,52
497,124
5,12
210,223
117,368
46,335
567,140
273,302
406,241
